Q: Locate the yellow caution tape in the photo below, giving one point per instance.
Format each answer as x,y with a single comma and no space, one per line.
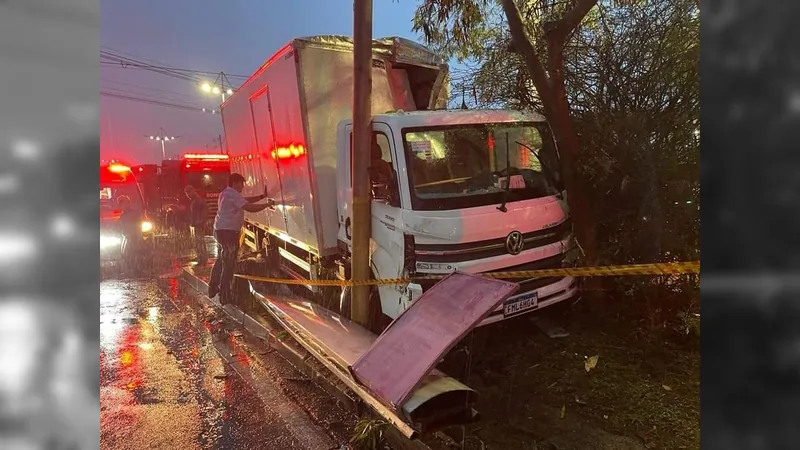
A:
675,268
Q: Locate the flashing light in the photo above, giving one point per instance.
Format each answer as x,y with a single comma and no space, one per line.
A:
292,151
215,90
118,168
229,91
206,156
147,226
206,87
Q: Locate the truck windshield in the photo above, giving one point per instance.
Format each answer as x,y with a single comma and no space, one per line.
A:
211,181
462,166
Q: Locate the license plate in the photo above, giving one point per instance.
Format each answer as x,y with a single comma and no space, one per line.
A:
520,304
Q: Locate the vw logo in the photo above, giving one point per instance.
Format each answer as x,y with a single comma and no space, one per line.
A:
515,243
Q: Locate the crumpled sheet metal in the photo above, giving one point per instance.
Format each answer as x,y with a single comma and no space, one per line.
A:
396,49
410,348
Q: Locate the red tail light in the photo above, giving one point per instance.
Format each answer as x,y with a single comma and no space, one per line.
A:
292,151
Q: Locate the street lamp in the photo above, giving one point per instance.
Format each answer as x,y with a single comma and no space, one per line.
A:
163,138
218,87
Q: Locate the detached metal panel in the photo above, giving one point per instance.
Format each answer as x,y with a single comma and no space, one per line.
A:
409,349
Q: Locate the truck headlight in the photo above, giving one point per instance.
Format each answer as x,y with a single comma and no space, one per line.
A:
109,241
147,226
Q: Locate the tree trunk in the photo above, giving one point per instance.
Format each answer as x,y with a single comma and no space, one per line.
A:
560,118
579,205
552,91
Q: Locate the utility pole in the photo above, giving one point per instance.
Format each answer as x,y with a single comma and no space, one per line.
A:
362,138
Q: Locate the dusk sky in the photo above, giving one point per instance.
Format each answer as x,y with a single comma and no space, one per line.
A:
235,36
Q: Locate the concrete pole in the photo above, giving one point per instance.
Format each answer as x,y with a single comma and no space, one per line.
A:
362,138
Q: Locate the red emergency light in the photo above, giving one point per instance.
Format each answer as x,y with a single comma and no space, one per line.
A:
206,156
292,151
118,168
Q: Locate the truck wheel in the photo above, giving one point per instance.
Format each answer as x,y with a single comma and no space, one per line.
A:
241,288
378,320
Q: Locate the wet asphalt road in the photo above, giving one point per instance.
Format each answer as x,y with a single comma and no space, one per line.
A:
171,376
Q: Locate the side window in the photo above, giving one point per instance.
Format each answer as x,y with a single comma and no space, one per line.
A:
386,149
382,170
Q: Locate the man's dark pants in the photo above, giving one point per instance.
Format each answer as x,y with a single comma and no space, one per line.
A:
225,265
200,243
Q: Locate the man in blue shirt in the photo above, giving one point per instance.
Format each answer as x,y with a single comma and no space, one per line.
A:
227,228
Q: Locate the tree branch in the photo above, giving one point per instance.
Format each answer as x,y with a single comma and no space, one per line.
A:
526,49
557,31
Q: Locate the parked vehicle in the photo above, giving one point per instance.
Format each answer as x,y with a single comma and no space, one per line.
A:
163,185
118,181
474,191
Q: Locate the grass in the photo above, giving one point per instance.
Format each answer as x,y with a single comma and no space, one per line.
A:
369,434
535,391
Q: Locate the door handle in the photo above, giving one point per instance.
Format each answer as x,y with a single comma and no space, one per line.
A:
347,228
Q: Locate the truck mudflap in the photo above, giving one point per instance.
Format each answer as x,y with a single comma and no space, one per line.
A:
435,401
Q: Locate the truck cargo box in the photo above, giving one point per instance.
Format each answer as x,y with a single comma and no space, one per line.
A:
280,125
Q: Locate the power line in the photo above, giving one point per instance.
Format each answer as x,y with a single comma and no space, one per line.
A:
122,61
125,65
160,65
194,96
149,101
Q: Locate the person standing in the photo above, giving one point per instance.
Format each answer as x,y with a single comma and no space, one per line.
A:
198,216
227,228
130,222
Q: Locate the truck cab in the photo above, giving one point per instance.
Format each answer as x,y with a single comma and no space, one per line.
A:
473,191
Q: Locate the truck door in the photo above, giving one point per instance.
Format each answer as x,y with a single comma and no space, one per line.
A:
385,202
267,166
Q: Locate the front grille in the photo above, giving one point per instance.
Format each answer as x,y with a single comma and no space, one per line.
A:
444,253
553,262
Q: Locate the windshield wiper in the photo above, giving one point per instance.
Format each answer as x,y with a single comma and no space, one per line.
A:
546,169
502,207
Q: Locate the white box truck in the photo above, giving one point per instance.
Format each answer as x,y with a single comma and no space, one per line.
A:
469,190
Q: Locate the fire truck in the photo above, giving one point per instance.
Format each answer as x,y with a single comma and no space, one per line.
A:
149,178
207,172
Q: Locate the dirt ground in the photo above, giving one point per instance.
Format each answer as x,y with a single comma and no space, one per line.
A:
536,392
